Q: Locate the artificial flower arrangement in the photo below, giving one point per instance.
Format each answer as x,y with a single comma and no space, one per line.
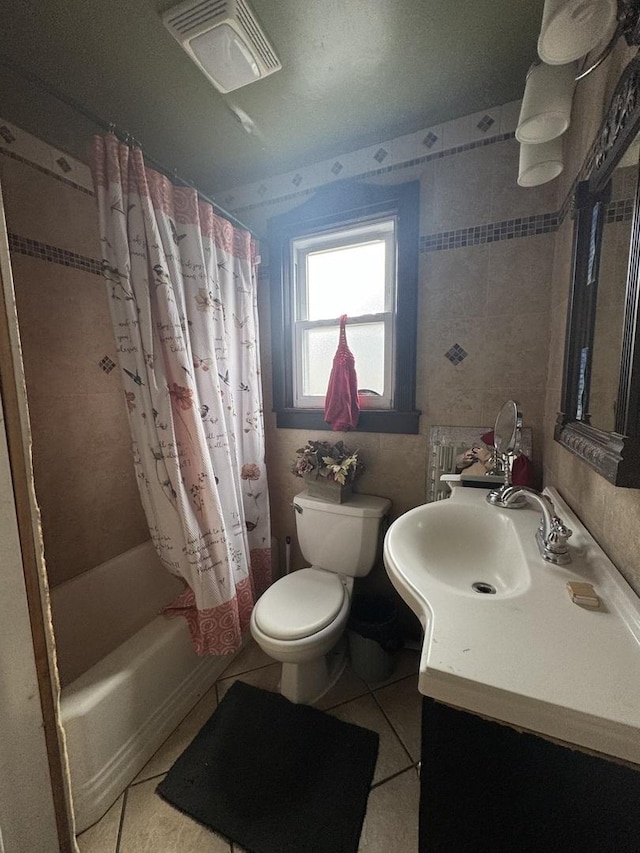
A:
335,462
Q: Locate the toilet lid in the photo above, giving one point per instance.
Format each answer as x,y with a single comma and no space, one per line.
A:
300,604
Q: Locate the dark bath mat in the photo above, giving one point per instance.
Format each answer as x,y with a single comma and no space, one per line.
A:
274,776
487,788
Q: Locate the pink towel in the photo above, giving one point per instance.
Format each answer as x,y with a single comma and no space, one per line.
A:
341,407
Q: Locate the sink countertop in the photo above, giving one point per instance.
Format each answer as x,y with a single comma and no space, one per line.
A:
528,655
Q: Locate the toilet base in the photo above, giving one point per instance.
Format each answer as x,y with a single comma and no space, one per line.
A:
306,683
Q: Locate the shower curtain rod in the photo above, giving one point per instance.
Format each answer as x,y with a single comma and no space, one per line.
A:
125,137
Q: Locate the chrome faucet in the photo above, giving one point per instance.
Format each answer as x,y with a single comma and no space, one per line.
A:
552,534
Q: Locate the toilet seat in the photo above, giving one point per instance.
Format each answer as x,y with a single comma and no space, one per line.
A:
300,604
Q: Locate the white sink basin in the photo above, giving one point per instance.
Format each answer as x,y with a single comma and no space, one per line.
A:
525,654
459,546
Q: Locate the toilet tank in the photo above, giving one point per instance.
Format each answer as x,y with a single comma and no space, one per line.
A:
341,538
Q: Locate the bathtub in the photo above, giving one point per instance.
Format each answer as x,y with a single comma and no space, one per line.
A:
129,676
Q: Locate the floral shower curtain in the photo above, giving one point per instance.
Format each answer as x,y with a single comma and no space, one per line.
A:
182,290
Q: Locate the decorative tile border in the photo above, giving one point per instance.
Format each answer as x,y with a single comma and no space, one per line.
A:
56,255
476,235
15,156
469,146
45,252
492,232
487,127
619,211
26,148
370,173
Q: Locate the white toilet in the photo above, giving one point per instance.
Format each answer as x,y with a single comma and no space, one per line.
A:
300,619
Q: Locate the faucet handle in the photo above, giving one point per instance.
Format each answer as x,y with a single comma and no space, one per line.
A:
556,541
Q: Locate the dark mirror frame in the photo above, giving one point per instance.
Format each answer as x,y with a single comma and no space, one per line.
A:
615,455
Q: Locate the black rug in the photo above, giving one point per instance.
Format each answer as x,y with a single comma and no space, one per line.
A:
274,776
486,788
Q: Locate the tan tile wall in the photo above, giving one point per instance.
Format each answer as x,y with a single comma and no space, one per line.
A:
611,514
492,299
82,462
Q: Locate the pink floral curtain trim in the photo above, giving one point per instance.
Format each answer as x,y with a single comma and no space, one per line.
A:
215,631
117,163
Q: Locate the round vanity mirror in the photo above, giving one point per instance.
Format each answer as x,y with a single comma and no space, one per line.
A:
506,433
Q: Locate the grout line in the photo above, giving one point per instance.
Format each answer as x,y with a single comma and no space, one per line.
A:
394,776
343,702
371,691
380,685
125,797
393,728
223,677
217,694
135,784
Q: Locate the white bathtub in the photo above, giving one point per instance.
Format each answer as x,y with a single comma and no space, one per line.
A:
120,709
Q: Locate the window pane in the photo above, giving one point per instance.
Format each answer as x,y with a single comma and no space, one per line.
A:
366,342
349,280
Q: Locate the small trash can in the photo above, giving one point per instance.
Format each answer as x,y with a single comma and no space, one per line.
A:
374,637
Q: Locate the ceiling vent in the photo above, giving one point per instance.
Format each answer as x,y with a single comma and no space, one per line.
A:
224,39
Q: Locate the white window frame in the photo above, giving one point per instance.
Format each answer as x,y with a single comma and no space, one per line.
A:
349,235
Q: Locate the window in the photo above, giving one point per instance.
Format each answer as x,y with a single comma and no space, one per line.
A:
353,249
348,271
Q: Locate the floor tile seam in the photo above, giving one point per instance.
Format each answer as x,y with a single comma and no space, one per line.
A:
393,729
215,687
345,701
125,798
223,676
153,776
391,778
232,659
380,685
405,767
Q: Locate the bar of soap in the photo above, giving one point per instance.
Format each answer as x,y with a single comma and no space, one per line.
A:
583,594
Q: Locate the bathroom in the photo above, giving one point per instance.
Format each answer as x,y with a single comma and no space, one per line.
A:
504,301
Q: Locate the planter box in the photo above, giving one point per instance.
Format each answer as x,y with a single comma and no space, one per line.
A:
327,490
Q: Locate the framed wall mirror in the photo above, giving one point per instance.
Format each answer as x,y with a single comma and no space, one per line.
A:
600,417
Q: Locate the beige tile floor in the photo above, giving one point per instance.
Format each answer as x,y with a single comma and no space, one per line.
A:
140,822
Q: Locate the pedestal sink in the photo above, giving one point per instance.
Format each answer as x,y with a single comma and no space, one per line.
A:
502,636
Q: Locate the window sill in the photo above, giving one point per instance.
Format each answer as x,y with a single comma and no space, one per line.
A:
371,420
